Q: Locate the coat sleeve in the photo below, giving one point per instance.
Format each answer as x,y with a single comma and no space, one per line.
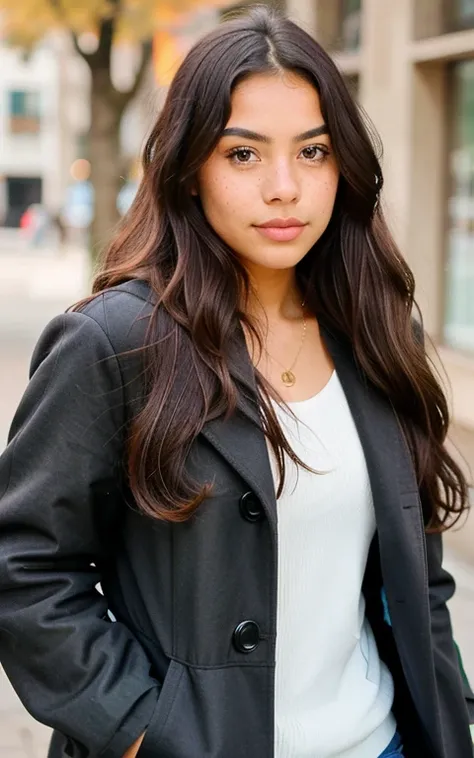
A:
73,669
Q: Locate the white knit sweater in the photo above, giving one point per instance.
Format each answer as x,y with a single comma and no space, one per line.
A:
333,693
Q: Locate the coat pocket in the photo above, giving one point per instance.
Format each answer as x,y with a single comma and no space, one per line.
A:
213,712
150,746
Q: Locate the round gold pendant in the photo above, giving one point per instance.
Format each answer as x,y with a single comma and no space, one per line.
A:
288,378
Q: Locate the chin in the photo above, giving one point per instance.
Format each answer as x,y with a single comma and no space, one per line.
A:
281,257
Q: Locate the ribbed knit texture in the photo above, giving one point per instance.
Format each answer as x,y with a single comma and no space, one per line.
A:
333,693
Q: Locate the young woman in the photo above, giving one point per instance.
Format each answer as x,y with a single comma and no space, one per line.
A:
239,436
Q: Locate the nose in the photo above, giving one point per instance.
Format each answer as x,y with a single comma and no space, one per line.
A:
281,184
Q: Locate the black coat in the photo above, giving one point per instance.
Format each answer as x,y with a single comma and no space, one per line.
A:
191,655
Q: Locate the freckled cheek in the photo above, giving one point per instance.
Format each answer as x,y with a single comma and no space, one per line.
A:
233,196
325,194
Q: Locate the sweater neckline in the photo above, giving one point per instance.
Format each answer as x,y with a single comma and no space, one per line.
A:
302,403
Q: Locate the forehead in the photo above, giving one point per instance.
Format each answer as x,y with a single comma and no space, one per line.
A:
272,103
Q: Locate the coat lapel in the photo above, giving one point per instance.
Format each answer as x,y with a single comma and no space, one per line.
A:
240,439
400,529
391,473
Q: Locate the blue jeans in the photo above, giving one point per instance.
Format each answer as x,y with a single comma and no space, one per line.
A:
395,749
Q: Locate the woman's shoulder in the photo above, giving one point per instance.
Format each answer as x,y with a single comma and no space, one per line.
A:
95,345
122,312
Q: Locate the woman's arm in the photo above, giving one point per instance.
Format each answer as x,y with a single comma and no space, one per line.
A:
60,503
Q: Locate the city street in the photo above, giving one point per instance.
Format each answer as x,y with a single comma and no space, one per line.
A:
36,285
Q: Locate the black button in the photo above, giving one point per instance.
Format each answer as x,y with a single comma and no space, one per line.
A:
250,507
246,636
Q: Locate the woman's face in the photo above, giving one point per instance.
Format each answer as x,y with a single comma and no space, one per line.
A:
273,165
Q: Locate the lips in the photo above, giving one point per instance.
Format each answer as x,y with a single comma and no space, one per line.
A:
281,223
281,229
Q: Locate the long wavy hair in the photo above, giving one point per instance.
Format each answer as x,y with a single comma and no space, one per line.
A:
354,277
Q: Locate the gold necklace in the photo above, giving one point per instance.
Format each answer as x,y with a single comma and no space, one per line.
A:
287,376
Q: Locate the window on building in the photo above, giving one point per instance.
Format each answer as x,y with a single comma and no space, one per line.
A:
435,17
24,111
459,14
459,315
350,23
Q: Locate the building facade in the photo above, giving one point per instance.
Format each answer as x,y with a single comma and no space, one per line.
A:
45,120
29,131
411,66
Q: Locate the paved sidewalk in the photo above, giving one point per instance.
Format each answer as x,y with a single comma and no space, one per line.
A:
20,735
42,275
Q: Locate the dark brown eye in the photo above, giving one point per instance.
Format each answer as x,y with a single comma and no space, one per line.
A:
314,153
242,155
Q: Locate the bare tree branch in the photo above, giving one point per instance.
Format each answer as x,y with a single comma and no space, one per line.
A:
99,60
78,48
147,49
106,37
59,10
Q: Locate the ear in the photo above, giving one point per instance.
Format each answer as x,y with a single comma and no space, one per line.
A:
194,190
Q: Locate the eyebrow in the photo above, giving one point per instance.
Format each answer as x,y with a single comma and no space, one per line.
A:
236,131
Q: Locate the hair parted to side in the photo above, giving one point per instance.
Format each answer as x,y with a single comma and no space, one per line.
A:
354,277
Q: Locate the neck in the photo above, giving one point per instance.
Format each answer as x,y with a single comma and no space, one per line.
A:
274,295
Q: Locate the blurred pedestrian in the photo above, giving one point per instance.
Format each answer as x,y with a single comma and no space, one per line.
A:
240,437
26,221
35,223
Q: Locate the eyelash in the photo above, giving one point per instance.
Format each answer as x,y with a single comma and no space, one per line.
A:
232,154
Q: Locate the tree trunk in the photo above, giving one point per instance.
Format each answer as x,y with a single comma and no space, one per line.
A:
104,145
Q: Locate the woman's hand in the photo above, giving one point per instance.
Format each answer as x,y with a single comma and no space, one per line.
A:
133,749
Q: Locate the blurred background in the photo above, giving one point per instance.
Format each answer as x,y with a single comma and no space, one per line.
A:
80,86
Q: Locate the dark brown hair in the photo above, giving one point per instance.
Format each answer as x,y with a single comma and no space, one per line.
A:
354,276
